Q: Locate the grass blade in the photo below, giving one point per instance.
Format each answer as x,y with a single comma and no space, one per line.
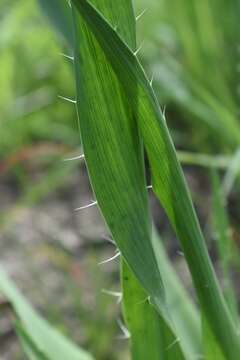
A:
204,160
32,352
211,347
183,312
187,323
35,332
168,181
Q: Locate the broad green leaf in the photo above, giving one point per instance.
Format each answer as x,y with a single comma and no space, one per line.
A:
112,146
114,158
168,180
38,334
186,318
150,337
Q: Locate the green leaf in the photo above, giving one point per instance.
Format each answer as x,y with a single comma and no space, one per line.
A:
168,180
35,332
204,160
112,146
211,347
186,322
28,346
114,157
150,337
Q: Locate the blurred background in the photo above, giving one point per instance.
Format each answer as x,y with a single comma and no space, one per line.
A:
191,49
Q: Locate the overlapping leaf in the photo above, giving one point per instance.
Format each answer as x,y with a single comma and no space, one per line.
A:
112,145
114,155
183,312
168,180
184,316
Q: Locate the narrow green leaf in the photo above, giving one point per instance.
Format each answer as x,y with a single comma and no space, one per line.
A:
45,338
168,180
28,346
211,349
150,337
204,160
183,312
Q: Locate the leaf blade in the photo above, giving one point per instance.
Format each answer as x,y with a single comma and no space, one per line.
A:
175,199
112,146
46,339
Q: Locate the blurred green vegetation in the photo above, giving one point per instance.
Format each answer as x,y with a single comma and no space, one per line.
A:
32,74
192,50
37,127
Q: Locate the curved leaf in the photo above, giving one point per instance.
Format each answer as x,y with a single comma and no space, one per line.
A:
37,335
112,146
168,180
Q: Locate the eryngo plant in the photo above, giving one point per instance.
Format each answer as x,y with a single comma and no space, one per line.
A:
118,116
113,175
